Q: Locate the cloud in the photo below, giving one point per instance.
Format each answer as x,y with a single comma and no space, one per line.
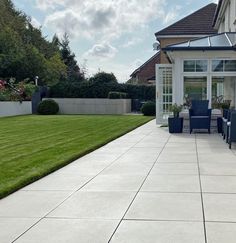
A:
35,23
172,15
103,50
103,19
132,42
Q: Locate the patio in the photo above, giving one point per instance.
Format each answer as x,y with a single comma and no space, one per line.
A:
147,186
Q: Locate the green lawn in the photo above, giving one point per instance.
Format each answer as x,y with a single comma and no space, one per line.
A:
34,146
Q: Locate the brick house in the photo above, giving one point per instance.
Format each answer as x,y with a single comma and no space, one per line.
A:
145,74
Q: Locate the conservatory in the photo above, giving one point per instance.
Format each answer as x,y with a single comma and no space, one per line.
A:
200,69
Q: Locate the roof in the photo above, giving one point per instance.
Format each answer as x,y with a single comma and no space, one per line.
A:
157,55
197,23
222,41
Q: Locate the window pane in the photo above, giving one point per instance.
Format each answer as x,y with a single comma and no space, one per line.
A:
217,65
217,90
189,66
230,66
201,65
195,88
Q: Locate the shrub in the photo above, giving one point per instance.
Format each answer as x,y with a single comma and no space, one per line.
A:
117,95
48,107
149,108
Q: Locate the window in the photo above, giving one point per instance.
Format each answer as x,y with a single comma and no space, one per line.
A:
224,65
195,66
195,88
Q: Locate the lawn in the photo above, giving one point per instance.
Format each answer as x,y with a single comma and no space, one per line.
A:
33,146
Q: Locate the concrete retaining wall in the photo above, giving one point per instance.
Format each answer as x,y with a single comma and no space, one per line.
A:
93,106
11,108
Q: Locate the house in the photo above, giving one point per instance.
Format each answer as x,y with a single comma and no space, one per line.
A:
201,68
146,73
196,25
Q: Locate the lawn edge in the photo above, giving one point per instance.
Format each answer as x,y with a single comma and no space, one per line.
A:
67,162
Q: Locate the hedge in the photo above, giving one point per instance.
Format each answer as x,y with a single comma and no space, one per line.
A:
117,95
101,90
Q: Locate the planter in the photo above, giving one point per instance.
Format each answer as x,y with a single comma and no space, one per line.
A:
175,124
219,124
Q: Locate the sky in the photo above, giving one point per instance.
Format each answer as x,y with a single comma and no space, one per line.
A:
108,35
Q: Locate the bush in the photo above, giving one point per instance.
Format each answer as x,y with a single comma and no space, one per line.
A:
48,107
149,109
117,95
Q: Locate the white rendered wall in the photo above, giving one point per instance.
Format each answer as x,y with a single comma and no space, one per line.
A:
93,106
10,108
227,16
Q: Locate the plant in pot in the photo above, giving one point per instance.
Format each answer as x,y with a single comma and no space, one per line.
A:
175,123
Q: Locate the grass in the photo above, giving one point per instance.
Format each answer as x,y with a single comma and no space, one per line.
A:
34,146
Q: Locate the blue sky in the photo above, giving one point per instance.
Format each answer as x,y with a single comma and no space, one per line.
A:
108,35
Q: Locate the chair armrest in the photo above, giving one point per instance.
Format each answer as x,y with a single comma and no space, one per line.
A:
190,112
209,112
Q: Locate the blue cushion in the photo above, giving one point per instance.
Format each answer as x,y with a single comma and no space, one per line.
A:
200,107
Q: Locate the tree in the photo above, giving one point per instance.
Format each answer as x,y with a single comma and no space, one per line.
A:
73,71
104,78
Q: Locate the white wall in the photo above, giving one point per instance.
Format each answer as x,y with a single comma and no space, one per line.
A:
227,16
93,106
10,108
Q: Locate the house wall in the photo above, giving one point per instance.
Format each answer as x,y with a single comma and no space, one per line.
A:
11,108
93,106
227,17
169,41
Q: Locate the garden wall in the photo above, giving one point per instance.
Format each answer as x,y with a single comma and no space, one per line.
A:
93,106
11,108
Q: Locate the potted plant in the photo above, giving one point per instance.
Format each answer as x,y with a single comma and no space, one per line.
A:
175,123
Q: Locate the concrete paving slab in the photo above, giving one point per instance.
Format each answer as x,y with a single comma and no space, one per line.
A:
172,183
94,205
159,231
70,230
220,232
166,206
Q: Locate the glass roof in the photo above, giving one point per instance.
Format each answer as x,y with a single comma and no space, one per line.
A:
223,41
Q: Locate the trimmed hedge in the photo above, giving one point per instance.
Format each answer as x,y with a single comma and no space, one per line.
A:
90,89
117,95
149,109
48,107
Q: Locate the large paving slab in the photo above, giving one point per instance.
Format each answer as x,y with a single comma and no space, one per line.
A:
144,187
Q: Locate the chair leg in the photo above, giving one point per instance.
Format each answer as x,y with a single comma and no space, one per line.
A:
229,144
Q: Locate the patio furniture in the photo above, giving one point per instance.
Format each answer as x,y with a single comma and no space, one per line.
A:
224,119
232,129
226,123
200,115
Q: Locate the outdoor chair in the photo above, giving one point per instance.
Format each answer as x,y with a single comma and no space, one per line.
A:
232,129
226,121
200,115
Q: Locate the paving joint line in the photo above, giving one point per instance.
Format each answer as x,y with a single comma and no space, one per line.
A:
201,193
139,189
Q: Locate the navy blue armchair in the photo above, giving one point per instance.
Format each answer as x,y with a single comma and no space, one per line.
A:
232,129
200,115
